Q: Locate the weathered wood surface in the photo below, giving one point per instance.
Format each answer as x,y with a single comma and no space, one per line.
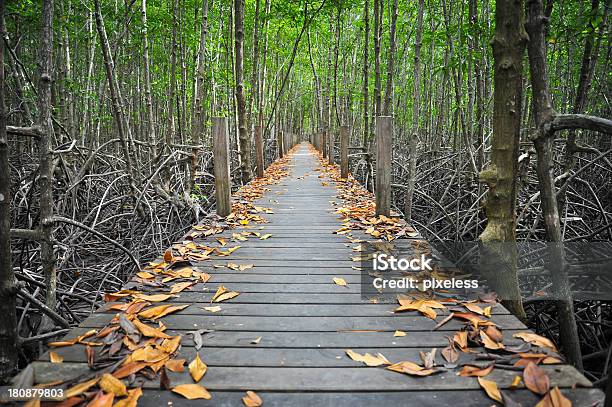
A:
222,166
306,323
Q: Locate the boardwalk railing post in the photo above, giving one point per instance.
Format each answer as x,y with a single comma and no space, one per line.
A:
222,166
280,144
344,142
384,133
330,147
286,145
324,144
259,152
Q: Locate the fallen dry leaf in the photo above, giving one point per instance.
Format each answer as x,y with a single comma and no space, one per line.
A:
149,331
111,384
55,358
223,294
475,371
410,368
339,281
368,359
399,333
536,379
256,340
216,308
102,399
131,400
192,391
252,399
537,340
554,398
490,387
197,368
80,388
178,287
175,365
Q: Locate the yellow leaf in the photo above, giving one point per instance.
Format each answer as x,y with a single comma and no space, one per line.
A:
111,384
170,345
55,358
216,308
153,312
399,333
152,298
192,391
175,365
149,331
80,388
243,267
252,399
223,294
178,287
368,359
410,368
197,368
515,382
145,275
131,400
340,281
490,343
265,237
490,387
536,340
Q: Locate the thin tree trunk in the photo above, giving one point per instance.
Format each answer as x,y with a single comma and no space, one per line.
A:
366,90
243,133
150,126
388,105
378,7
45,180
499,236
544,113
8,284
416,100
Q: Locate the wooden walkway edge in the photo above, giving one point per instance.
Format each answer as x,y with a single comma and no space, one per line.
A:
286,334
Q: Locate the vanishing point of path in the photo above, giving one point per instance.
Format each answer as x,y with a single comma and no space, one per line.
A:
286,335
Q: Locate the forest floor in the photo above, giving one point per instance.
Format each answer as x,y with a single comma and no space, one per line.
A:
266,306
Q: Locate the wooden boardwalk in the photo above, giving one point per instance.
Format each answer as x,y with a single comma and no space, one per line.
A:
306,323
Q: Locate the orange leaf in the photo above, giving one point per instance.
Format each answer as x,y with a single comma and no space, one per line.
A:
111,384
192,391
490,387
252,399
149,331
536,379
197,368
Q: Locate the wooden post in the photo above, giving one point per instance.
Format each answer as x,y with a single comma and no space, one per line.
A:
344,142
222,166
286,145
384,134
280,144
324,143
259,152
330,149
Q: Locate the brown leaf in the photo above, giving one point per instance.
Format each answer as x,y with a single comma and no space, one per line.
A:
475,371
55,358
111,384
131,400
178,287
192,391
460,338
536,379
153,311
175,365
80,388
554,398
149,331
90,356
223,294
450,353
164,380
536,340
410,368
490,343
128,369
197,368
252,399
429,358
490,387
171,345
170,310
168,257
368,359
153,298
102,400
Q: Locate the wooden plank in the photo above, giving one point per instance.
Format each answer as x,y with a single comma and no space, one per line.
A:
457,398
320,379
313,323
221,165
304,340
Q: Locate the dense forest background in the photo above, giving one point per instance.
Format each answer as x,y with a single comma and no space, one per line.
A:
109,105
